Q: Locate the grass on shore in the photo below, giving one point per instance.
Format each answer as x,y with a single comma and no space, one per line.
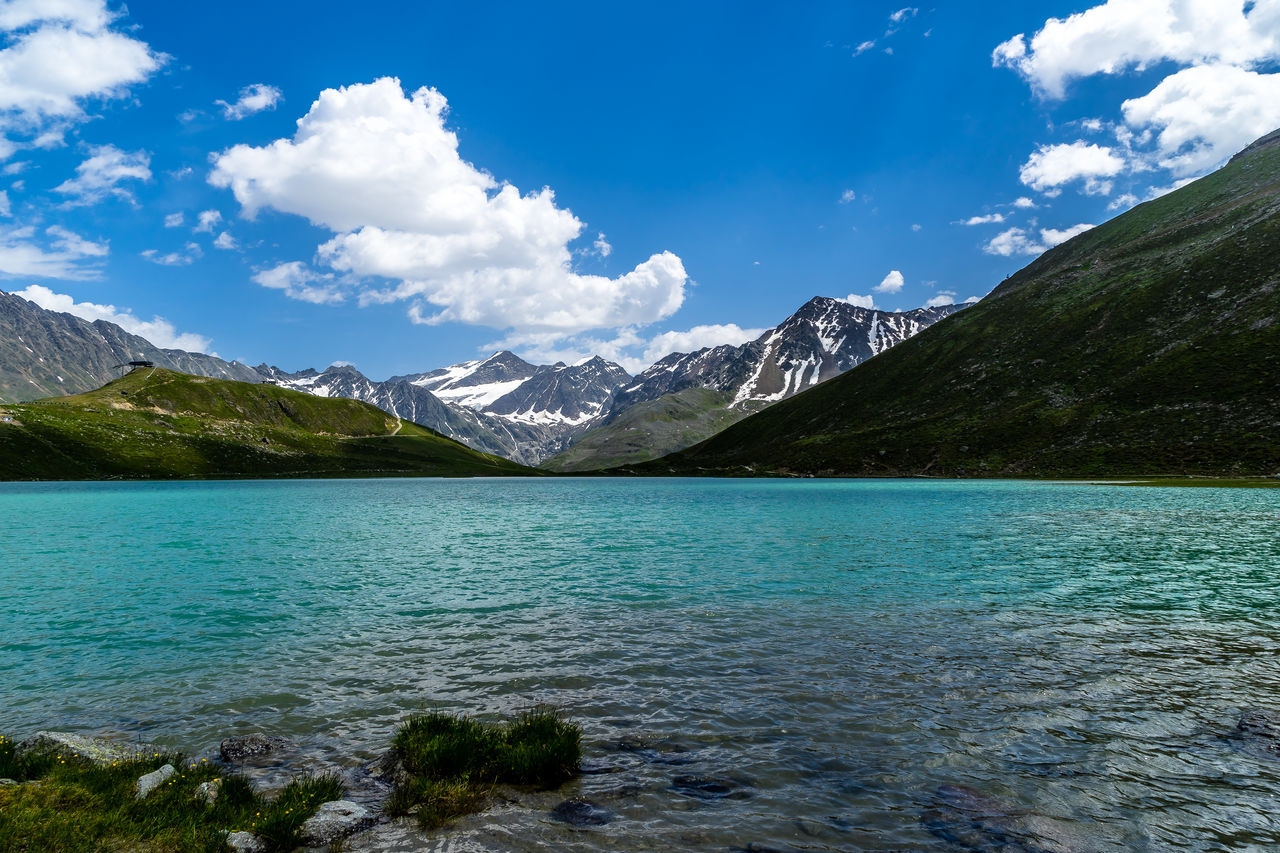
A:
71,806
451,763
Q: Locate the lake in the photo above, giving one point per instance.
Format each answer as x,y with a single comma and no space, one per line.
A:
833,654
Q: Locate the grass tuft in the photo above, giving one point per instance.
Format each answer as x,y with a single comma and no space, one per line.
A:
453,761
71,806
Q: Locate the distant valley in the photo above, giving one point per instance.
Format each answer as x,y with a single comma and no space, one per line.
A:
503,405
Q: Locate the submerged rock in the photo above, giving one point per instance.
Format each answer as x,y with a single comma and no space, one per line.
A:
101,751
655,752
237,749
982,824
150,781
706,788
1258,732
334,820
580,812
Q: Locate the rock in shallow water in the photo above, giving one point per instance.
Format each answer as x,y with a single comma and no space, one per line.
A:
236,749
580,812
706,788
982,824
333,820
1258,732
100,751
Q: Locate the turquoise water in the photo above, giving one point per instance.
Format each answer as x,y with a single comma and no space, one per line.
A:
832,651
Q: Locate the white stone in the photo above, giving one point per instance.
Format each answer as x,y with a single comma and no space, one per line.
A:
154,779
246,842
333,820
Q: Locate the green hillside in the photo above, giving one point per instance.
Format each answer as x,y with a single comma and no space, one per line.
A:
649,430
1149,345
155,423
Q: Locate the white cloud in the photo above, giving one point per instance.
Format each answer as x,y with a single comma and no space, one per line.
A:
989,219
60,54
173,220
1125,202
225,241
206,220
382,171
699,337
944,297
1016,241
65,255
157,330
859,301
1024,203
892,283
1203,115
917,227
863,48
190,253
1123,35
253,99
101,175
602,246
847,196
6,209
1052,166
903,14
299,282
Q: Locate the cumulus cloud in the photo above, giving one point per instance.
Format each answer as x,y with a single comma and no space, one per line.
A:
253,99
699,337
1123,35
1024,203
863,48
189,254
602,246
903,14
1221,99
225,241
859,301
847,196
60,54
1203,115
892,283
207,220
627,348
382,171
173,220
101,175
62,254
1052,166
157,330
1017,241
302,283
944,297
989,219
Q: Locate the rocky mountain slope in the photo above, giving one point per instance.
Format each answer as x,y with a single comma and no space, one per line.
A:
46,353
155,423
501,404
656,414
1148,345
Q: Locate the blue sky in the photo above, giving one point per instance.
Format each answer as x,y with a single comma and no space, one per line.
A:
406,185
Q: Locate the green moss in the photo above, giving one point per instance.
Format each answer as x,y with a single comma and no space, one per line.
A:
451,762
70,806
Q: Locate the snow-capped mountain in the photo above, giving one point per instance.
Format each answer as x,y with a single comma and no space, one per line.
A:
501,404
823,339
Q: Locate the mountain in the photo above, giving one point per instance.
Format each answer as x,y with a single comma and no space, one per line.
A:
155,424
501,405
655,414
823,339
43,353
651,429
1148,345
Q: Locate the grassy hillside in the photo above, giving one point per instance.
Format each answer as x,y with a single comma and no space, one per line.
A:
155,423
1149,345
649,430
